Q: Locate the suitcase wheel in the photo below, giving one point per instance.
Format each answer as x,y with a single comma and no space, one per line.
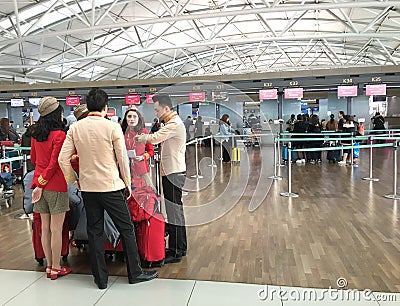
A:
40,261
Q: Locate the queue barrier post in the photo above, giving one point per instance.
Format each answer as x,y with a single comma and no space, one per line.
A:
394,196
370,178
289,194
275,176
197,162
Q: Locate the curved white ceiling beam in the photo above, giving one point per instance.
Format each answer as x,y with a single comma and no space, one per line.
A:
225,13
354,36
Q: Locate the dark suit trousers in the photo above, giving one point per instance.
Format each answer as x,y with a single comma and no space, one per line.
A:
172,189
115,205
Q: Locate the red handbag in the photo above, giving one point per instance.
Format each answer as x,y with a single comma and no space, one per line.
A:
143,203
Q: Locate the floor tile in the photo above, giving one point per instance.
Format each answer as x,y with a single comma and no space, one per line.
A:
232,294
295,296
387,299
163,292
74,289
12,282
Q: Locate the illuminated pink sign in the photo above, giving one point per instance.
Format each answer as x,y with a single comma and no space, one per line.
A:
149,98
347,91
71,101
132,99
376,90
293,93
197,97
268,94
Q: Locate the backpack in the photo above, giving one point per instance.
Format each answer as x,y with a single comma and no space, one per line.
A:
143,203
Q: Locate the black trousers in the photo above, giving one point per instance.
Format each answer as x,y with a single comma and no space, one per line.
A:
226,148
172,188
115,205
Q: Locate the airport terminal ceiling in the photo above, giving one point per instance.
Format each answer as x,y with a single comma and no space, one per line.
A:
75,40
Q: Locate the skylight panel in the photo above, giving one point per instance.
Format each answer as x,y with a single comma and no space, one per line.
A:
91,72
58,68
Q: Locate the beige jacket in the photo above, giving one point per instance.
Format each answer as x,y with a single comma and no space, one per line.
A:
103,160
173,138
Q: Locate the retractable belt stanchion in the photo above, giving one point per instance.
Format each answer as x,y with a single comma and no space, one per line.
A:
279,152
3,150
275,176
197,163
370,178
289,194
352,152
394,196
212,152
220,147
157,166
24,165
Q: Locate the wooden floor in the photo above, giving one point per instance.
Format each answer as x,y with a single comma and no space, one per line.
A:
339,226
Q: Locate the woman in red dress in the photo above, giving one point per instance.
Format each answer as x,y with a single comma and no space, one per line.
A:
139,153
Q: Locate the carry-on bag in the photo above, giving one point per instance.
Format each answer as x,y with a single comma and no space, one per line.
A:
143,203
150,240
285,153
37,238
236,155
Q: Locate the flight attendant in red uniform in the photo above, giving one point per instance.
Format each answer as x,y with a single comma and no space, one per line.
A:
132,125
50,192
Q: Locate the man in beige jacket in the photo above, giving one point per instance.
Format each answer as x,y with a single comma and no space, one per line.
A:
104,176
172,137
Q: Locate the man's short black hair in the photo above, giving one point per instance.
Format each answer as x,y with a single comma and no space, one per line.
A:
163,100
96,100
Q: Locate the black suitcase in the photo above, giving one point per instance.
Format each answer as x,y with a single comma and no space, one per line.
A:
333,156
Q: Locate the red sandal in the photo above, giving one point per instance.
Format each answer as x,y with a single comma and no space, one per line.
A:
48,271
59,272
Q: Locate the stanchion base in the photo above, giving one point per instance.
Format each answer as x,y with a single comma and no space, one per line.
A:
197,176
213,165
185,193
275,177
281,165
220,159
289,194
392,196
372,179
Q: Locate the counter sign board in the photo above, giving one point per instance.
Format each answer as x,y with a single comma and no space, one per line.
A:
376,90
347,91
268,94
293,93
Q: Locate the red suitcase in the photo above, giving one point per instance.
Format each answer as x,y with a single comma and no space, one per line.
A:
150,239
109,247
37,238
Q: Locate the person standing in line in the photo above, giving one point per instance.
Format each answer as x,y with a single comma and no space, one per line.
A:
132,125
172,137
188,124
341,121
104,180
332,124
225,129
50,192
198,128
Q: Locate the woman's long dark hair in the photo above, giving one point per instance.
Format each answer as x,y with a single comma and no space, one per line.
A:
139,126
5,125
48,123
